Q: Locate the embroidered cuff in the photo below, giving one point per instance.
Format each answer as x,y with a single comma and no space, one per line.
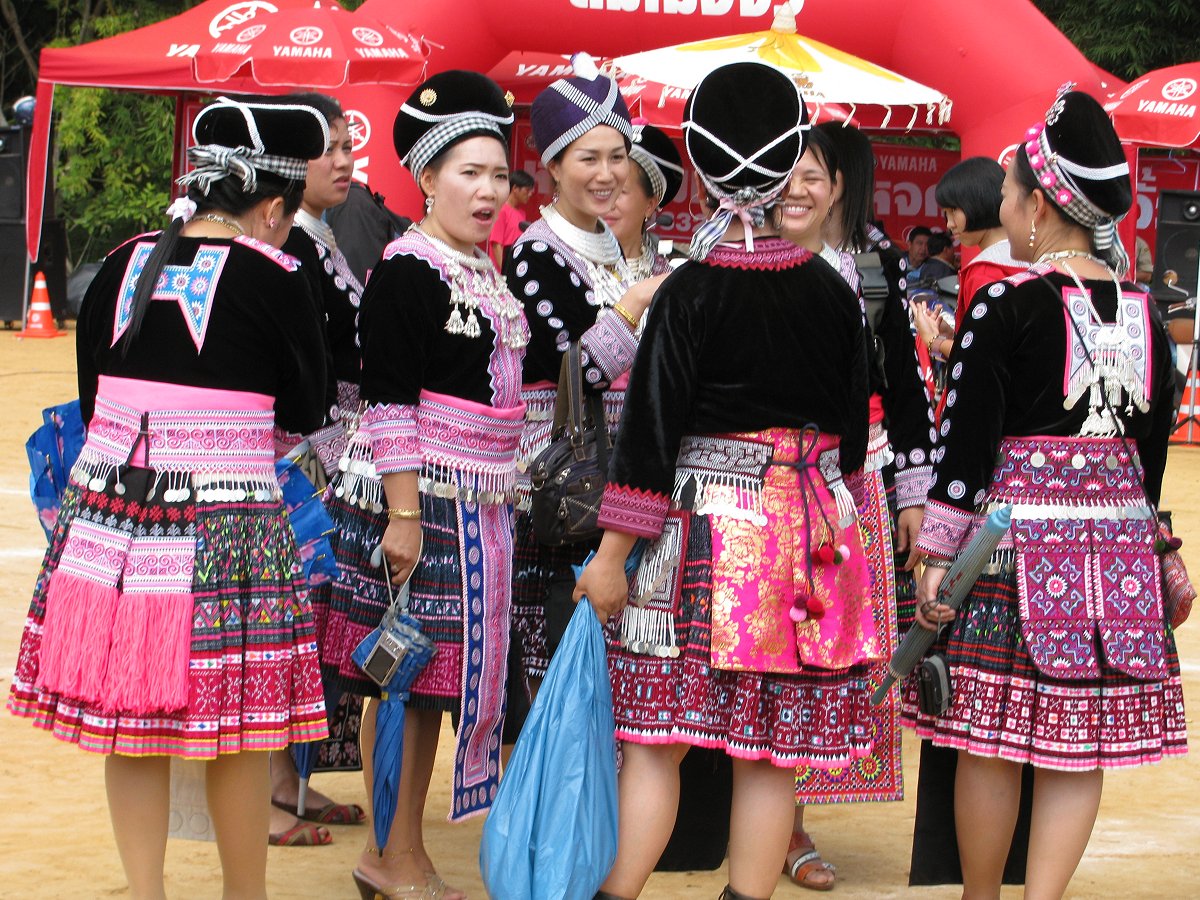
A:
610,347
912,485
329,443
943,529
856,483
393,431
633,511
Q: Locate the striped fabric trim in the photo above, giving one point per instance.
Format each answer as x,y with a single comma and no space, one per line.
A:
633,510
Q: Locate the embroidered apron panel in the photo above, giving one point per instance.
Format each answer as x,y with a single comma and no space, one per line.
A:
1086,568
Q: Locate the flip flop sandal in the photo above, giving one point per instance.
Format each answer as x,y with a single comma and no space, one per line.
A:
329,814
807,863
301,834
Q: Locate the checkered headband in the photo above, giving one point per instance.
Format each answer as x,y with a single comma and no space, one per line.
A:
653,166
444,131
212,162
609,111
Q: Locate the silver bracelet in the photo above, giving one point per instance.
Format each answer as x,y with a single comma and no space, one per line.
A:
938,563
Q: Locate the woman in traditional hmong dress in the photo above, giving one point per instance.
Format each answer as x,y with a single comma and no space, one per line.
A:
430,473
748,625
654,180
825,209
1059,403
170,617
337,293
569,270
969,195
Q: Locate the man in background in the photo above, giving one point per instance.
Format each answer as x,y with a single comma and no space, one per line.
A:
918,250
510,220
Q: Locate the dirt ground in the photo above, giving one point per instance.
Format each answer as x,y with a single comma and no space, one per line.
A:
59,844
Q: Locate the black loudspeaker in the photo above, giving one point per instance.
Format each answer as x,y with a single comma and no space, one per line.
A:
12,173
52,263
1177,247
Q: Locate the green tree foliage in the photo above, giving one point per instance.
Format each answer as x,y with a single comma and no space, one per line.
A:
112,150
114,166
1129,37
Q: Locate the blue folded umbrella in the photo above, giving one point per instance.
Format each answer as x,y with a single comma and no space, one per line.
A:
310,521
403,635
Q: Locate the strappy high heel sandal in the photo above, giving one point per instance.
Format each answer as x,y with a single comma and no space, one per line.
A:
369,890
443,891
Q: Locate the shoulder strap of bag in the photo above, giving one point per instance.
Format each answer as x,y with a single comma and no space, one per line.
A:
569,405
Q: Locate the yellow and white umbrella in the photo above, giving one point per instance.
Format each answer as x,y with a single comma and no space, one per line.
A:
835,84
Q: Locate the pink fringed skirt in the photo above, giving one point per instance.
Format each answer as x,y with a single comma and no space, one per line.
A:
170,617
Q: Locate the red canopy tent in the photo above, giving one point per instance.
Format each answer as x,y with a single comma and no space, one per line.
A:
154,59
999,63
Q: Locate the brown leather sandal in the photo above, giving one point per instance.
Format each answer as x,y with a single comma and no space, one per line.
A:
804,860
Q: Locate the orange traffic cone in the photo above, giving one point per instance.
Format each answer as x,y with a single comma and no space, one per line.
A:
40,321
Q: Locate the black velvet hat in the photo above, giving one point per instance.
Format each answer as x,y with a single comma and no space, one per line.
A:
656,154
235,137
449,107
1085,149
1077,160
744,128
571,107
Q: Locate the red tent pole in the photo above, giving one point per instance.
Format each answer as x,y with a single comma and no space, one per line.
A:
35,182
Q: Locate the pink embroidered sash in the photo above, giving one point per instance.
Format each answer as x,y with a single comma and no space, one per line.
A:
773,498
1084,541
178,428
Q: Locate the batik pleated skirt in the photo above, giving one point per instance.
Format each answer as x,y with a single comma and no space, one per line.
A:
460,588
1060,655
879,775
1005,707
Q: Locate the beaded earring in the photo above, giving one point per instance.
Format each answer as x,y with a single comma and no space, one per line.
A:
1032,232
428,205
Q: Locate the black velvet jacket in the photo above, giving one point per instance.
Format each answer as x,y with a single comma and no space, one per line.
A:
908,416
405,345
561,305
337,302
1006,380
744,342
261,334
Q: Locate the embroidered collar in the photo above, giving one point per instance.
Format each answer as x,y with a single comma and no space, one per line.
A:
769,253
318,229
1106,359
474,285
193,287
600,248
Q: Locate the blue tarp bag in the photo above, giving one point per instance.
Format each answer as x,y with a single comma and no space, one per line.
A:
552,832
309,519
52,451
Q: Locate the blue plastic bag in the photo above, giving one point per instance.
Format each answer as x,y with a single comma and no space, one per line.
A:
552,832
310,522
52,451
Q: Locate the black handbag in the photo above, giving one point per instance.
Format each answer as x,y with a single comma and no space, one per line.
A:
935,692
568,477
